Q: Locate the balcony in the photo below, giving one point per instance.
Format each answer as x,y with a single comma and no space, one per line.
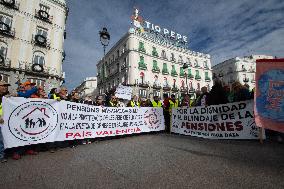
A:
6,30
165,72
142,66
196,66
174,73
207,79
143,85
181,75
4,62
246,80
156,70
44,16
190,76
166,88
183,89
198,77
156,86
175,89
155,53
10,4
41,41
173,59
142,49
191,90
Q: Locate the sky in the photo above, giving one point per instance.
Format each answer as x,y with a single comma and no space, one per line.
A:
222,28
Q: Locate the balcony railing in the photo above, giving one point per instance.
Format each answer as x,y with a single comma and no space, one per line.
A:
156,86
41,41
175,89
143,85
197,77
10,4
246,80
166,88
165,72
207,79
44,16
156,70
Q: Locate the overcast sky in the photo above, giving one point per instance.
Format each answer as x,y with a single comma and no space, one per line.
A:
221,28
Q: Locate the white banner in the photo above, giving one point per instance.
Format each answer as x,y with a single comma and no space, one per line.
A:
32,121
226,121
124,92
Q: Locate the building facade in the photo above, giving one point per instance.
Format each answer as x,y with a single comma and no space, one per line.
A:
32,34
88,87
241,69
152,66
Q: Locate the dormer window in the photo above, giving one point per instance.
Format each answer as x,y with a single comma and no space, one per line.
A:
10,4
5,25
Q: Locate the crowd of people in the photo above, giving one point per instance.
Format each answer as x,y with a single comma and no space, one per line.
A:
219,94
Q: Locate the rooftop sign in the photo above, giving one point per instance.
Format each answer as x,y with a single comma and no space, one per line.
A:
145,26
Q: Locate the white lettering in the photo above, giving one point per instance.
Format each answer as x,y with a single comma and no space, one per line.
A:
147,24
184,39
157,29
178,36
173,34
166,31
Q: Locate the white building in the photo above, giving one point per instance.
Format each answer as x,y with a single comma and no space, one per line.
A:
152,64
87,87
32,34
238,69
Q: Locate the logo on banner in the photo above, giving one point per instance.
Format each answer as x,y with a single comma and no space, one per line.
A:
152,118
270,103
33,121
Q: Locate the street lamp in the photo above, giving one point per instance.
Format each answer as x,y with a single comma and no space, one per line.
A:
104,38
184,67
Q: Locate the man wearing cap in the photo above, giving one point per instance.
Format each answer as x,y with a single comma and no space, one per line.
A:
3,92
28,90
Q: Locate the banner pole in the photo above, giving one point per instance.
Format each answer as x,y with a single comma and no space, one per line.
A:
261,135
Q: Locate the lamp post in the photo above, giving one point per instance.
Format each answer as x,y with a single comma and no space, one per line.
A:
104,39
184,67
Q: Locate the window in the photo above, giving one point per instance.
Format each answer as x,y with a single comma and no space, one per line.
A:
3,49
117,53
44,8
143,93
5,20
164,55
198,86
42,32
38,82
124,48
156,93
172,57
4,77
38,58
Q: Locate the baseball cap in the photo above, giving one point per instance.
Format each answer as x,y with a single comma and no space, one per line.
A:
28,83
3,83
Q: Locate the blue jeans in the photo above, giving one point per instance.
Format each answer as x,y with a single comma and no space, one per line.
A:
2,154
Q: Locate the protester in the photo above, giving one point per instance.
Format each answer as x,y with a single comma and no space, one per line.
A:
156,102
27,89
53,94
186,101
74,97
173,102
203,99
134,102
166,107
121,103
240,92
217,94
100,101
113,101
3,92
63,93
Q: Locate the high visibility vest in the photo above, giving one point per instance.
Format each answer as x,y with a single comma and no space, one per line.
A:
112,104
155,104
1,111
134,105
173,105
55,97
